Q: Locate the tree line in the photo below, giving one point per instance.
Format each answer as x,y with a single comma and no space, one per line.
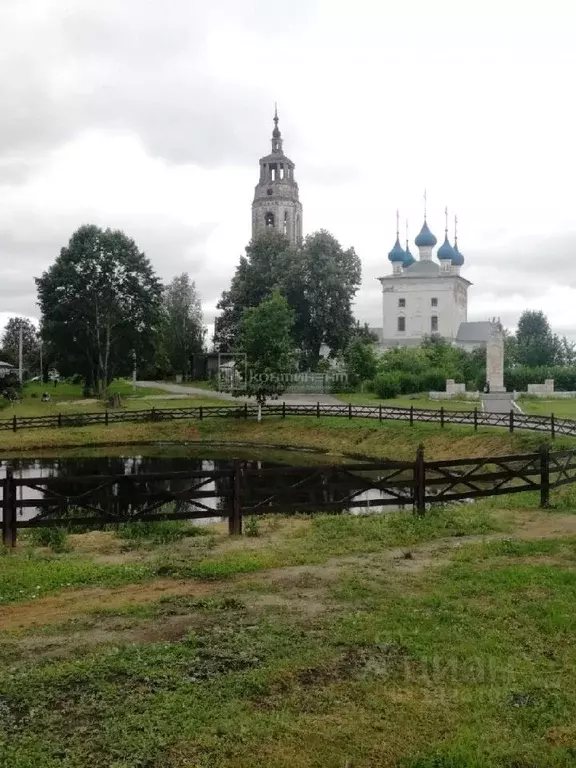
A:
103,311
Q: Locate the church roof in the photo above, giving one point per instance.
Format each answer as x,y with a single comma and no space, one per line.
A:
422,269
425,238
474,332
397,253
458,258
446,251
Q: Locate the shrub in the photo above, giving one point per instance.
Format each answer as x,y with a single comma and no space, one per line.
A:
158,531
252,526
387,385
434,380
55,538
410,383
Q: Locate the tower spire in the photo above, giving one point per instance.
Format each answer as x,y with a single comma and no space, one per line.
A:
406,234
397,224
455,231
425,203
446,217
276,135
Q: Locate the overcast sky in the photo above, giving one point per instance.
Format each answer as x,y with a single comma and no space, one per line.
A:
151,116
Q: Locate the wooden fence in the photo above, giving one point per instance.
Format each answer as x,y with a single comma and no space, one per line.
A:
476,418
98,500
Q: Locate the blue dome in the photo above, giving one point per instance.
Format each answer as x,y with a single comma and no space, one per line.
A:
446,251
397,253
425,237
458,258
408,258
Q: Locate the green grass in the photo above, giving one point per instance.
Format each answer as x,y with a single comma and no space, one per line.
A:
565,409
458,657
418,401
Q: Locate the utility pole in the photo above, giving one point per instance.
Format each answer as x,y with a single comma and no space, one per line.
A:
20,366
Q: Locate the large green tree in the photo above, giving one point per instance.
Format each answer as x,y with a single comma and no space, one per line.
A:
182,330
30,343
254,280
320,280
535,343
100,303
267,341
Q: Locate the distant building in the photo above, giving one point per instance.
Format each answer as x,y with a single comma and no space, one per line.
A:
276,199
422,297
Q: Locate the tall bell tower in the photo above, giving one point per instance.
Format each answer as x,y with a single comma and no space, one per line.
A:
276,202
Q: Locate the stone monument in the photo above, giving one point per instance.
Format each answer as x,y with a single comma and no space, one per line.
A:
495,357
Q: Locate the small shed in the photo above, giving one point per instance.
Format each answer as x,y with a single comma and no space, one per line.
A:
5,368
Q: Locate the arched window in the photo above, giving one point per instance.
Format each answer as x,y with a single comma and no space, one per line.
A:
285,222
269,219
434,324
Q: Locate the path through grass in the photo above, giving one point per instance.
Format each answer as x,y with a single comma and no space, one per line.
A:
362,641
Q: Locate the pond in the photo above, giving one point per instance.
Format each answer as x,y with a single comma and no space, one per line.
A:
68,466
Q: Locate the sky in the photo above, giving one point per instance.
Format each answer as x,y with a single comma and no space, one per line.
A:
151,117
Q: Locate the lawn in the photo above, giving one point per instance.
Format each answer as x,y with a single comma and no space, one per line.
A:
563,408
418,401
368,642
331,434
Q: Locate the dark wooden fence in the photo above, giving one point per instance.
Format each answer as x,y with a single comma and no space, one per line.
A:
476,418
99,500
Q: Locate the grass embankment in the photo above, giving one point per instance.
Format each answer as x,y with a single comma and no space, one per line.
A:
396,440
368,642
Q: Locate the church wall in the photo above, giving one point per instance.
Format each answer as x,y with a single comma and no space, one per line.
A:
451,295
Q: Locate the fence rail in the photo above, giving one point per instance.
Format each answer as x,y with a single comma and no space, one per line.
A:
97,500
510,421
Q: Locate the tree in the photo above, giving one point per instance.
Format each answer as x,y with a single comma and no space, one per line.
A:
254,280
535,343
30,343
182,330
363,333
269,347
320,281
361,362
101,304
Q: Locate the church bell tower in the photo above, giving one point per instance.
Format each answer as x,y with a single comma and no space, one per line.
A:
276,202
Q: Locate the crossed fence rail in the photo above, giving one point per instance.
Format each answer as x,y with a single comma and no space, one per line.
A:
99,500
476,418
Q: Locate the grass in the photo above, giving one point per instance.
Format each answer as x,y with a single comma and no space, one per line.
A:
332,435
376,641
418,401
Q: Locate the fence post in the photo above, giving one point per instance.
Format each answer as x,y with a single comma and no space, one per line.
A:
552,427
14,423
544,476
420,482
411,415
152,414
511,420
200,414
246,410
475,419
441,415
380,413
106,418
59,421
283,409
349,410
235,519
9,520
318,409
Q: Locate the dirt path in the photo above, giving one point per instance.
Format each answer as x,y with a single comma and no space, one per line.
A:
530,525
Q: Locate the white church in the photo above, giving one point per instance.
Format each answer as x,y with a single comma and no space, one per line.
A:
427,295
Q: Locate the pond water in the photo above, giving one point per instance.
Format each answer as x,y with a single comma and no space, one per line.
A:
134,461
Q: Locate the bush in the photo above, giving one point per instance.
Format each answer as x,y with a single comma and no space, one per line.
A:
410,383
55,538
158,531
387,385
434,380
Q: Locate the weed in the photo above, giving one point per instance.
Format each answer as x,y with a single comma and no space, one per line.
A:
158,531
55,538
252,526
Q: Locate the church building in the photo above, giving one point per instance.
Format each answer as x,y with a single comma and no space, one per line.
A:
426,295
276,201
